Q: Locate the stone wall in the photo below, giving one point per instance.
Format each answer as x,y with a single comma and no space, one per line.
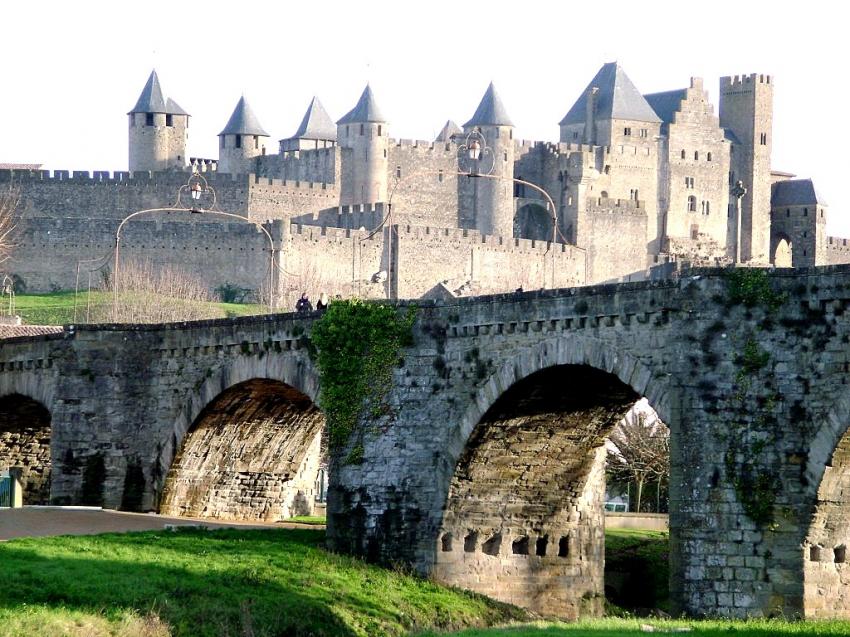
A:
613,232
253,454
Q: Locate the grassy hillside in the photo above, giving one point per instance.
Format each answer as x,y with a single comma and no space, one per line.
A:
57,308
213,583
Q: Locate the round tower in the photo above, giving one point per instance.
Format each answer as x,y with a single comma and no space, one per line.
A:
493,199
362,134
241,141
158,132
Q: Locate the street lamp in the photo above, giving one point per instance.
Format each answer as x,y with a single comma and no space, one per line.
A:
197,187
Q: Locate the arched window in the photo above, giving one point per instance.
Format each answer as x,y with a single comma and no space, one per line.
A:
683,153
604,194
692,204
696,155
708,157
708,207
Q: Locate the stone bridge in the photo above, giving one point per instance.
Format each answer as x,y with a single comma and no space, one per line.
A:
488,472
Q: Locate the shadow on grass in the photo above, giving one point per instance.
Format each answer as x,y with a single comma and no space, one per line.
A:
201,583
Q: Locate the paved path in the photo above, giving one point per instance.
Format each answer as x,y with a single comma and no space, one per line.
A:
43,521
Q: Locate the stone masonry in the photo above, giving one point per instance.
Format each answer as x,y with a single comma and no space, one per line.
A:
487,472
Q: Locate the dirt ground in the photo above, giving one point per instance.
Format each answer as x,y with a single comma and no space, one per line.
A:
43,521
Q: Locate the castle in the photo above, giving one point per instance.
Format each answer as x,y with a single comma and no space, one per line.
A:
639,184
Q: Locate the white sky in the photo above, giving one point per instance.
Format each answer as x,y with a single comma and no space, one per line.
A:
72,70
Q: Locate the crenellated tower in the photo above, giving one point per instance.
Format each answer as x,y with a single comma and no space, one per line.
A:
159,130
241,140
746,111
493,199
363,137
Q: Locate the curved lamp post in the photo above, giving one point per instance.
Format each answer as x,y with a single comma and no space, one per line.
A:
197,188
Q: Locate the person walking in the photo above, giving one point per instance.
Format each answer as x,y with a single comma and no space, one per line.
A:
322,303
303,305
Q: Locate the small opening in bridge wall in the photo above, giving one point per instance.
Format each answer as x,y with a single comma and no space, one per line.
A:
470,542
492,546
564,546
814,553
840,552
542,543
447,542
520,546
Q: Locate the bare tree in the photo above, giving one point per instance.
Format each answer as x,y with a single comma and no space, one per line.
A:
639,451
10,196
155,294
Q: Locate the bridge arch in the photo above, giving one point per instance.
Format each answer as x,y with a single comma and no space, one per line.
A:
522,518
249,446
25,442
826,525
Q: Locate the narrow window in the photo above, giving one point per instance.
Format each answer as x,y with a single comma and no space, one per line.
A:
564,546
627,131
492,546
805,212
788,212
607,170
379,130
708,207
361,129
708,157
694,232
814,553
447,542
840,554
506,155
542,542
805,234
148,119
683,153
470,542
643,132
256,141
169,119
520,546
692,204
440,177
764,139
398,172
696,155
575,135
238,141
604,194
385,153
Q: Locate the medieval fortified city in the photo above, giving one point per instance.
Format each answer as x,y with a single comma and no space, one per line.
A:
351,384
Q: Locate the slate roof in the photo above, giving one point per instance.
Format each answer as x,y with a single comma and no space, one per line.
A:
617,99
243,121
795,192
449,130
366,110
491,111
151,99
316,124
173,108
666,104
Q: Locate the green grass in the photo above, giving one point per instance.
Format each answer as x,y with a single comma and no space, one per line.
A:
226,582
57,308
308,519
637,568
697,628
